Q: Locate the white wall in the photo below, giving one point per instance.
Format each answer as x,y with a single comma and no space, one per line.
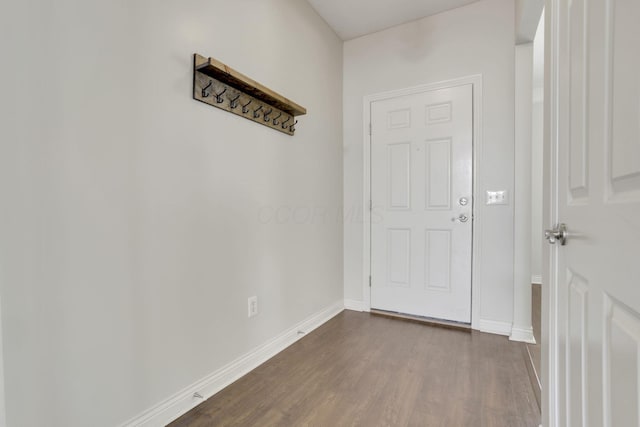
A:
527,15
536,153
135,221
475,39
522,326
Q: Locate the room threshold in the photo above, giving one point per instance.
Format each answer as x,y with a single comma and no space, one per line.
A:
424,320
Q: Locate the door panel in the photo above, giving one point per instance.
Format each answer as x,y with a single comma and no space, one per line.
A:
399,119
438,260
622,341
399,187
437,174
421,166
576,348
623,99
399,256
595,297
438,113
579,153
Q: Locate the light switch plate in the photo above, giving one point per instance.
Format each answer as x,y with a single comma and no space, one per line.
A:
500,197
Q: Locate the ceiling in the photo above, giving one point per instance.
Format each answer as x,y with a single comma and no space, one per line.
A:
355,18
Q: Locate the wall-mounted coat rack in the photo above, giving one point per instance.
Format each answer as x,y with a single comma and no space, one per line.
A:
216,84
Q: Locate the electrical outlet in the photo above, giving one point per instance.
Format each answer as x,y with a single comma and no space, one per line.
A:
253,306
498,197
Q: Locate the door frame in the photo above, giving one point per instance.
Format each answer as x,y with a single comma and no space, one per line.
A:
476,82
549,316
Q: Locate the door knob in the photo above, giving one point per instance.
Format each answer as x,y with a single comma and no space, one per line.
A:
557,234
461,218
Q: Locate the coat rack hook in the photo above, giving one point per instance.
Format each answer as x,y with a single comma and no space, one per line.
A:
245,108
219,99
233,103
205,94
292,128
224,88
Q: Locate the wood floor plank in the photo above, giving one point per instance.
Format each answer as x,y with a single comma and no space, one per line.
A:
533,351
364,370
536,309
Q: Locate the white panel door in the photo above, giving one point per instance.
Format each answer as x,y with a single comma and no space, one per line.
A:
422,204
595,277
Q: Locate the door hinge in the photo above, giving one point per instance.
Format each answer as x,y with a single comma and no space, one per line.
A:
369,281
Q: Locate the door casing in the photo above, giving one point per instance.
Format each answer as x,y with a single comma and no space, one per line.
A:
548,327
476,261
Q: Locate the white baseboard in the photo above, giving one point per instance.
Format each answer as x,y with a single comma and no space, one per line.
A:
536,280
495,327
352,304
181,402
522,335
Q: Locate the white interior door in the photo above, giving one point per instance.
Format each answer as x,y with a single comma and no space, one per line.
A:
422,204
595,278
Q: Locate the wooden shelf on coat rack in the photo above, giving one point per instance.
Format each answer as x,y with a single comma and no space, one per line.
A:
216,84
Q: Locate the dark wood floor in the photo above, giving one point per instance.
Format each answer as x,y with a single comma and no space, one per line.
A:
534,350
365,370
536,309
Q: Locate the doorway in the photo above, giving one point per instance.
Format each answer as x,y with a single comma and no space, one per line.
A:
420,181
